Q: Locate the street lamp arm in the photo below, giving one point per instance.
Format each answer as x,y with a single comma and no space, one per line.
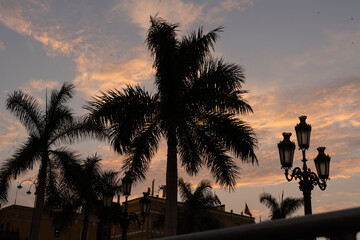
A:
317,181
295,173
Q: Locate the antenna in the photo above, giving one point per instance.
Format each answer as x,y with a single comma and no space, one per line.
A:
152,187
46,110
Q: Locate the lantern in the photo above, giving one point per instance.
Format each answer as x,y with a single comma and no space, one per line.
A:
126,184
303,131
145,204
322,163
286,151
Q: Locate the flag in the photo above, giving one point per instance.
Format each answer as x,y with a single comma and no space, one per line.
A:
247,211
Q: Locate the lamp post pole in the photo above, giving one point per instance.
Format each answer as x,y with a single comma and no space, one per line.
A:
126,221
122,214
307,178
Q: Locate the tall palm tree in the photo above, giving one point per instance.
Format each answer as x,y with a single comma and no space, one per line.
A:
283,208
197,201
73,192
47,130
194,109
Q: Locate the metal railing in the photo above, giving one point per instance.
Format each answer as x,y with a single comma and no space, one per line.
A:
337,225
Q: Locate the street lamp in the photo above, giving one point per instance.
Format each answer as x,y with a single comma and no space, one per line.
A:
124,217
19,187
307,178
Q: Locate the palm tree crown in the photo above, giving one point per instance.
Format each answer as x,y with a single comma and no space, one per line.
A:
283,208
72,192
47,130
196,202
194,109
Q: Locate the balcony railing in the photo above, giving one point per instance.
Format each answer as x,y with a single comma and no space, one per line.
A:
336,225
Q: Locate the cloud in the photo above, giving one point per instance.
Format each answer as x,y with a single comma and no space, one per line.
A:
341,46
174,11
333,112
178,11
39,85
216,13
11,133
336,205
116,74
102,60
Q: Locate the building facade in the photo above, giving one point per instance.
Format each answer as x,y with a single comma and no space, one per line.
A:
15,223
153,226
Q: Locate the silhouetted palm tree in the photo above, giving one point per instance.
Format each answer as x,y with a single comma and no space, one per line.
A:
47,130
82,187
281,209
194,109
197,202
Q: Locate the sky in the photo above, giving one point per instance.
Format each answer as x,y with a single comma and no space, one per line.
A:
300,58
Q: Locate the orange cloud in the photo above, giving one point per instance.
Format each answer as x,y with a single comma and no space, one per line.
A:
94,77
336,205
12,133
172,10
216,13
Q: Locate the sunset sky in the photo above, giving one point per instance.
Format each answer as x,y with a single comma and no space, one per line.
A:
300,58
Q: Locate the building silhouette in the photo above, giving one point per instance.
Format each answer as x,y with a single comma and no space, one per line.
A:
15,222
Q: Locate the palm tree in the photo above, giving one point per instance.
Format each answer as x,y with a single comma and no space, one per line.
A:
197,202
194,109
283,208
73,192
47,130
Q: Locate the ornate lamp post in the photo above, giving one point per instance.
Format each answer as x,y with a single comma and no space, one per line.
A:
307,178
122,214
126,187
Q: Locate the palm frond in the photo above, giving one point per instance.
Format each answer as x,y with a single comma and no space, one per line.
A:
22,160
189,150
66,161
217,86
60,97
161,37
233,133
185,190
109,183
27,110
215,155
269,201
291,205
78,129
123,113
141,150
195,47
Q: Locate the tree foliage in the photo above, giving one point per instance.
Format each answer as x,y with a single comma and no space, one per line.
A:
194,108
48,129
283,208
194,217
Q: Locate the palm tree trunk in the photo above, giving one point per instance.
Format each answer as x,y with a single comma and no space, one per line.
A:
39,204
171,185
85,224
